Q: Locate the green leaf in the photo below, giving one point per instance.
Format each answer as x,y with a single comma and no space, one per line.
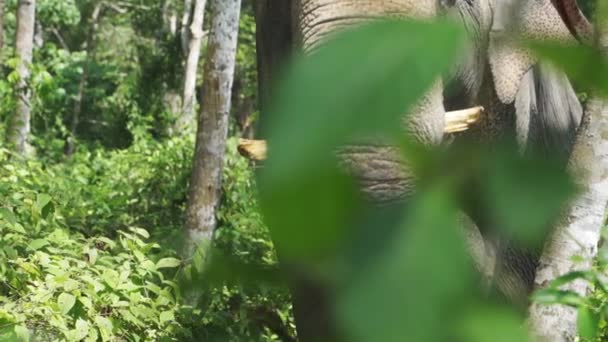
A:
105,327
8,215
588,323
523,195
583,64
310,216
486,323
166,316
111,278
407,280
570,277
82,329
359,84
140,231
22,333
168,263
10,218
38,244
43,204
17,227
66,301
551,296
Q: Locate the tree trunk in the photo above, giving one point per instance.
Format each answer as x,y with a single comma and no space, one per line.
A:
208,161
186,117
19,129
169,17
185,34
1,25
578,233
38,35
70,144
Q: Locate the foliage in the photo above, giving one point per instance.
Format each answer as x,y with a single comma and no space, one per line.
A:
58,284
55,216
243,307
88,246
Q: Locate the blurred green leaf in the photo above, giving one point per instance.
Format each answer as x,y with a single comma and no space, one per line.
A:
486,323
570,277
359,84
524,195
585,65
588,323
421,278
310,216
550,296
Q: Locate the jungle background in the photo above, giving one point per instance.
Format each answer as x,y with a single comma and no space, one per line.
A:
91,221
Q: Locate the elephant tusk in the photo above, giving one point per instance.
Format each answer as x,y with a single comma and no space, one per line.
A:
461,120
455,122
253,149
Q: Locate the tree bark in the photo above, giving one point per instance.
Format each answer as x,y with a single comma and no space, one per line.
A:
70,145
38,34
19,129
169,17
578,233
2,4
186,117
212,131
185,33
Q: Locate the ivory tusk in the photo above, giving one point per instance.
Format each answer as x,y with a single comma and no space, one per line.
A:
455,122
253,149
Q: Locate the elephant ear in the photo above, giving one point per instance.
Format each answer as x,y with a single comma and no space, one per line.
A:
530,19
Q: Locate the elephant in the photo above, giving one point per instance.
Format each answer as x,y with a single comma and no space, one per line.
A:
525,100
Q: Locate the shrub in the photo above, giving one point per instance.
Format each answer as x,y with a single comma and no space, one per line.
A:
60,284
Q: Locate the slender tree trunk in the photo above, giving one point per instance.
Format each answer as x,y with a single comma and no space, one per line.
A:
170,17
185,28
208,162
186,117
578,234
1,24
70,145
38,35
19,129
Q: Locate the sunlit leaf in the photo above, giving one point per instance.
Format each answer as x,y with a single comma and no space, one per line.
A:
38,244
168,263
66,301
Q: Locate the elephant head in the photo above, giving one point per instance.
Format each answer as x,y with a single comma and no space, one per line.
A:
524,99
